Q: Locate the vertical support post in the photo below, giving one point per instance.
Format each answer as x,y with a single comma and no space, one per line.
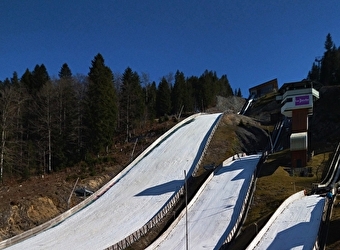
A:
186,210
131,158
69,199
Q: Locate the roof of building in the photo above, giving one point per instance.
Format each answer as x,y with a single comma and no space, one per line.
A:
299,85
273,81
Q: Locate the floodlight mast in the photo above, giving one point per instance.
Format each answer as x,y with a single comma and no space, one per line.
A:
186,210
318,59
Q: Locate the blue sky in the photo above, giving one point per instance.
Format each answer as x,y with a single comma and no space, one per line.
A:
249,41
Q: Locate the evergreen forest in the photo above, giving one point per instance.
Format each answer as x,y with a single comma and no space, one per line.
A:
326,69
49,123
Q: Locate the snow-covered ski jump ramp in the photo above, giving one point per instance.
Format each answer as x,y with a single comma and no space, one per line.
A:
135,196
294,225
215,210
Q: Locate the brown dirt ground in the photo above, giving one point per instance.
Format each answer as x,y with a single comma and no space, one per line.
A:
25,204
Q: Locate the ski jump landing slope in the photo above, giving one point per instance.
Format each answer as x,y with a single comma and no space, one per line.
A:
294,225
134,198
214,211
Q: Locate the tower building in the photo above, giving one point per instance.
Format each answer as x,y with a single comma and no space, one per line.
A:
297,99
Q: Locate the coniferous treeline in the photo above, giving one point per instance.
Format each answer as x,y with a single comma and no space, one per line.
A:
50,123
326,69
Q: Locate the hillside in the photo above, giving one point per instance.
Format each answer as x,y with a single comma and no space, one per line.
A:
27,203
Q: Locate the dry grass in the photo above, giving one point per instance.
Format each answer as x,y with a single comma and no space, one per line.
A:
223,144
275,183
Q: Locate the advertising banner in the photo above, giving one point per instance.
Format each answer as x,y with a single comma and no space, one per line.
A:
301,100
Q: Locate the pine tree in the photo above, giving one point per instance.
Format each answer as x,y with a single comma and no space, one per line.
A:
39,77
197,93
329,42
208,81
15,80
6,83
132,103
80,86
101,106
26,80
313,74
189,98
145,83
28,159
67,118
163,99
65,71
239,94
151,100
330,64
178,93
224,88
33,83
182,95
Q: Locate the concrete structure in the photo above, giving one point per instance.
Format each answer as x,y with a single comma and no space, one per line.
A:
264,88
297,99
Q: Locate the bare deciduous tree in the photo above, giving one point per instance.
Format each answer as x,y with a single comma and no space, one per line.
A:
11,100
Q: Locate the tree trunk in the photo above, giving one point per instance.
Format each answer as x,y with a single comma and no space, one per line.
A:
2,154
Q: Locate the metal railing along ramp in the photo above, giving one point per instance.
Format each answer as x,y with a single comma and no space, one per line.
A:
333,173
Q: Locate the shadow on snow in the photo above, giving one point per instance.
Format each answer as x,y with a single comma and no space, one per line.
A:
171,186
175,185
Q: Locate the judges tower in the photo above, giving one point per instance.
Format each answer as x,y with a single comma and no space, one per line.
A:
297,99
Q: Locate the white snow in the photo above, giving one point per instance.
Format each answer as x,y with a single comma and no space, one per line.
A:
295,226
213,213
136,197
248,104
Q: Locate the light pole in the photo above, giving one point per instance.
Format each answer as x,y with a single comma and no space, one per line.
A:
186,210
